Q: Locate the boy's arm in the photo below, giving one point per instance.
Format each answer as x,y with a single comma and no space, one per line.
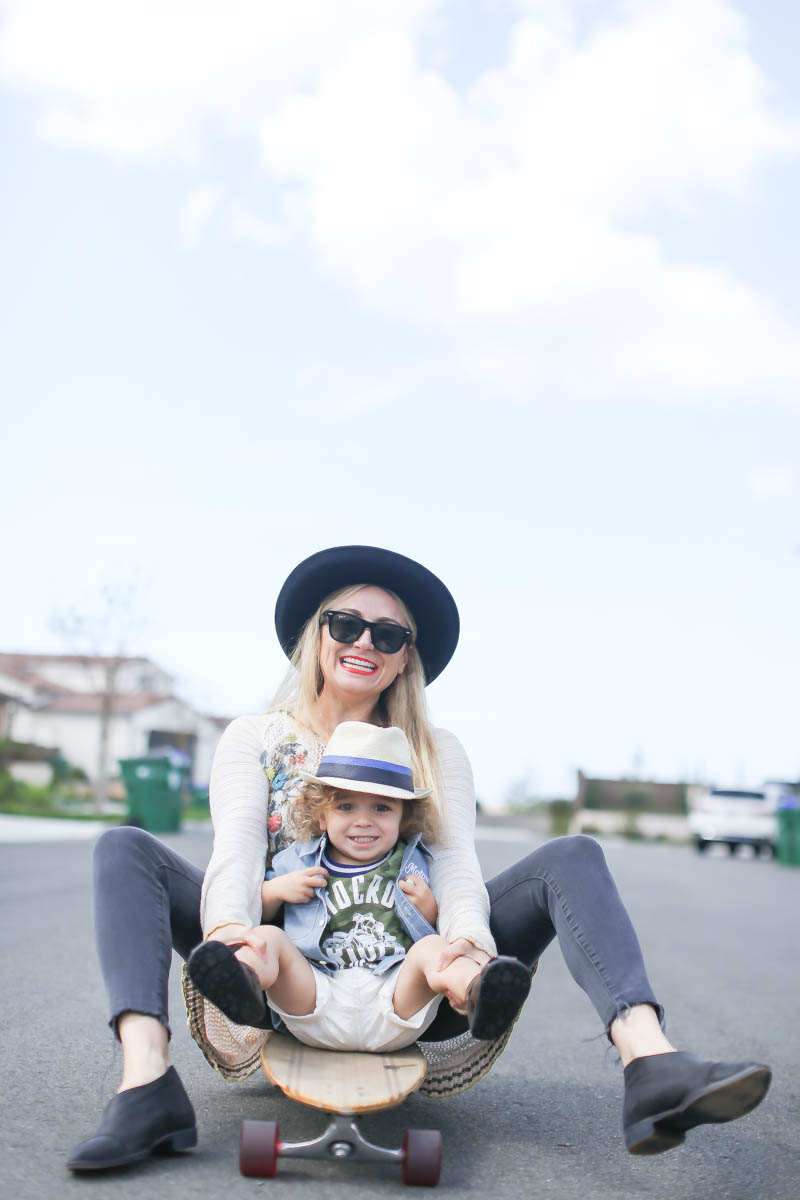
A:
295,887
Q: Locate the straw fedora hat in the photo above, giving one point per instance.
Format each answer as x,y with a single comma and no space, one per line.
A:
365,758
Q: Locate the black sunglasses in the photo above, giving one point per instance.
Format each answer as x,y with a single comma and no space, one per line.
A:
346,627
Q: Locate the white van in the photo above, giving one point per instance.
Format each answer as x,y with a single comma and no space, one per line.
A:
733,818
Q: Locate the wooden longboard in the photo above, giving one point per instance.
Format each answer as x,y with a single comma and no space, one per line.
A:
341,1081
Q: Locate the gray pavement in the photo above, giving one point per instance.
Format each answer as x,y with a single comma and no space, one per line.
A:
721,941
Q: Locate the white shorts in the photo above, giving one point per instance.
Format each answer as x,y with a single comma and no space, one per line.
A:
354,1012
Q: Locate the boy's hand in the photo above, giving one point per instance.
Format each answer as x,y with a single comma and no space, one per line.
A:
421,896
299,886
295,888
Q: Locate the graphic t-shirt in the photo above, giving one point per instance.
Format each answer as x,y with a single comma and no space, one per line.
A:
363,927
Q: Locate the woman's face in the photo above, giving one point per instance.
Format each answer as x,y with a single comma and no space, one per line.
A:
357,670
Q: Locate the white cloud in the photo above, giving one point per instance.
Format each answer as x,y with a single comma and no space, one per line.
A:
245,224
506,217
200,206
776,482
152,78
509,217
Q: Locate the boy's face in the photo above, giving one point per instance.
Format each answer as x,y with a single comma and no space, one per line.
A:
361,827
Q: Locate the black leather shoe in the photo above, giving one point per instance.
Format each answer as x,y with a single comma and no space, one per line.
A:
666,1094
495,997
231,985
156,1116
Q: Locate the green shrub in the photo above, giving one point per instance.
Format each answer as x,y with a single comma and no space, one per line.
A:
12,791
560,813
8,789
24,799
631,828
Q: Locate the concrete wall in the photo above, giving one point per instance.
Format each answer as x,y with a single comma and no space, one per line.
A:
38,774
77,736
648,825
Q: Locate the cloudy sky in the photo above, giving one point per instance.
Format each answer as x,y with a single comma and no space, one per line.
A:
509,286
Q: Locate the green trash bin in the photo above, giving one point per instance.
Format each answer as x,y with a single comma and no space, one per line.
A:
154,788
789,833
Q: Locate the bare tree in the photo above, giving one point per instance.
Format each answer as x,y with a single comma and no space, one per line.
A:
519,794
98,634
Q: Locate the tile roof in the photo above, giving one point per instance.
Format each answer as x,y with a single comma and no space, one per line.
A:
19,661
92,702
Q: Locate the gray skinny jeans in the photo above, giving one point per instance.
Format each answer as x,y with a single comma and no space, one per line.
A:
147,902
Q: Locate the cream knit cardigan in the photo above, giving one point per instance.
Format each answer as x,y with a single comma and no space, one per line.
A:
239,809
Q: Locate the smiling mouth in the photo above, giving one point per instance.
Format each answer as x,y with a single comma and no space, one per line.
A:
358,666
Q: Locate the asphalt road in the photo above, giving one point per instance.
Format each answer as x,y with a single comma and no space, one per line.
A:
721,940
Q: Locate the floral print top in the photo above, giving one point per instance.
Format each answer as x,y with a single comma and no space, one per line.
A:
282,764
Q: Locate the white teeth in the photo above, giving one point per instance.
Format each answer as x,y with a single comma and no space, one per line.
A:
361,664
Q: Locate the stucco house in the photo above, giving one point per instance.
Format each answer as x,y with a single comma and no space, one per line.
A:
59,700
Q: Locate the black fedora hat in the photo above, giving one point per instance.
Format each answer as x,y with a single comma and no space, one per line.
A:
430,603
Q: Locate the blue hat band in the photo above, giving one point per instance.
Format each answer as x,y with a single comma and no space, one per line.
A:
367,770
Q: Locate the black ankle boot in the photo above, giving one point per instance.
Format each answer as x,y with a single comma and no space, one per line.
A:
232,986
155,1116
666,1094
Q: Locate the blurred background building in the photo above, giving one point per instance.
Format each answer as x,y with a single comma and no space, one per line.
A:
90,711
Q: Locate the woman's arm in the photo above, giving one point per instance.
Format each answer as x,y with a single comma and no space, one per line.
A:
456,876
239,794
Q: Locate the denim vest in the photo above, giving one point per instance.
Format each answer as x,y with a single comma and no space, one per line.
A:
305,923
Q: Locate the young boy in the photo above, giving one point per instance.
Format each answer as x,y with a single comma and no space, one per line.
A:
356,966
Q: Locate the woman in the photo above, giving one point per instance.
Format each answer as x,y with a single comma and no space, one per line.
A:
366,629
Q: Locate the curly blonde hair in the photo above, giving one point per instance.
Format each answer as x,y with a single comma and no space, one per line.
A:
419,815
402,704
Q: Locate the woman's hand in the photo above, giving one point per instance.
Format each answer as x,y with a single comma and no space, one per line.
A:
461,948
258,940
296,887
252,944
421,896
231,935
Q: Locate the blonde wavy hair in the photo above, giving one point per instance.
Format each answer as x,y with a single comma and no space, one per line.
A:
316,798
402,704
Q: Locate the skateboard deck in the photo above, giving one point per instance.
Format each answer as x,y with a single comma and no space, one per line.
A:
347,1082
